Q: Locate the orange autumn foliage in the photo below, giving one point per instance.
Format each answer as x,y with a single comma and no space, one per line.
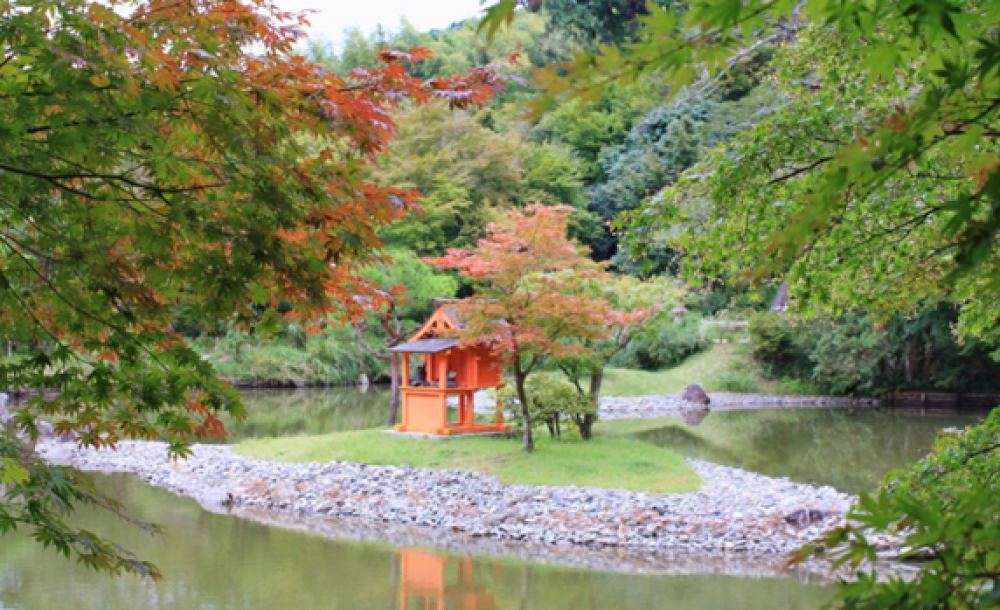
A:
532,300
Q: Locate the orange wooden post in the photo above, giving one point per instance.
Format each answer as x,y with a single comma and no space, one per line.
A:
443,385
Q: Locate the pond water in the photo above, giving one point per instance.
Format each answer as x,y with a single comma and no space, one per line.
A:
221,562
852,450
309,411
214,561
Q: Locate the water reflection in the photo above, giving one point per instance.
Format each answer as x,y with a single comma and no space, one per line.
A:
431,580
852,450
309,411
222,562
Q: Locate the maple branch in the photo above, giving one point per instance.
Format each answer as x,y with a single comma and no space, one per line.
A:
30,311
55,179
800,170
573,378
531,366
94,317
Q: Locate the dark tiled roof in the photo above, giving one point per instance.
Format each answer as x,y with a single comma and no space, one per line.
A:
425,346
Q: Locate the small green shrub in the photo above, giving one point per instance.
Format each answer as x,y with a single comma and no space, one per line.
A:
777,344
799,387
742,382
663,342
551,399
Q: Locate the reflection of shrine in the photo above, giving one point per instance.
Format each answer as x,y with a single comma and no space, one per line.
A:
447,370
427,583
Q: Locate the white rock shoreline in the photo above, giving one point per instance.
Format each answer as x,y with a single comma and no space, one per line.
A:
735,513
671,405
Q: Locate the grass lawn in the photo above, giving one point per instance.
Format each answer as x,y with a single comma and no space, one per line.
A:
725,367
706,369
610,460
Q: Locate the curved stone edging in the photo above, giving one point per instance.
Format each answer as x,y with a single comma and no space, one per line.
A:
670,405
736,512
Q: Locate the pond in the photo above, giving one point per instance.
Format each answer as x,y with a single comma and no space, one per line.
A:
309,411
851,450
224,562
221,562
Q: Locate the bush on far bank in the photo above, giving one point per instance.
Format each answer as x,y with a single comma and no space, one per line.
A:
663,342
857,353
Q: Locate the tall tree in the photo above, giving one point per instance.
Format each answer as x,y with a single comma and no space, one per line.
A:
161,155
634,303
468,174
530,297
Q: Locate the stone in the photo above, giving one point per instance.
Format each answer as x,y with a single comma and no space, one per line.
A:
215,499
695,416
696,394
46,431
806,516
70,436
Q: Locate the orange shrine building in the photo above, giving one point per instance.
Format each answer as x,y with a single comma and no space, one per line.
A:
446,370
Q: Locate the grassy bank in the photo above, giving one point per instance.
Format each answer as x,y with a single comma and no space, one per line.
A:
610,460
725,367
289,360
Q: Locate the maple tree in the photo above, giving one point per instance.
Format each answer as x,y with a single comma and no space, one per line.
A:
633,305
166,156
530,301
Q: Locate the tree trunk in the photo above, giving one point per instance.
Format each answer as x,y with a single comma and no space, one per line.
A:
522,397
596,381
586,423
394,378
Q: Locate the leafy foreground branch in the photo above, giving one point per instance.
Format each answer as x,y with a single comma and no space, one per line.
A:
945,509
165,161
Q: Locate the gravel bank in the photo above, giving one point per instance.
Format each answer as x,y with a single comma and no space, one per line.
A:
736,512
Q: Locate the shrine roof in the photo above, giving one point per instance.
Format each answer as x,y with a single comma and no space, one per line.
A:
425,346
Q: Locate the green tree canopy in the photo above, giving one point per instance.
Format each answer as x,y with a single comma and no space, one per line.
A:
469,175
599,21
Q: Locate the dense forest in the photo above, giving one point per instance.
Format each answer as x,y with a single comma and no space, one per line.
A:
604,159
627,149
